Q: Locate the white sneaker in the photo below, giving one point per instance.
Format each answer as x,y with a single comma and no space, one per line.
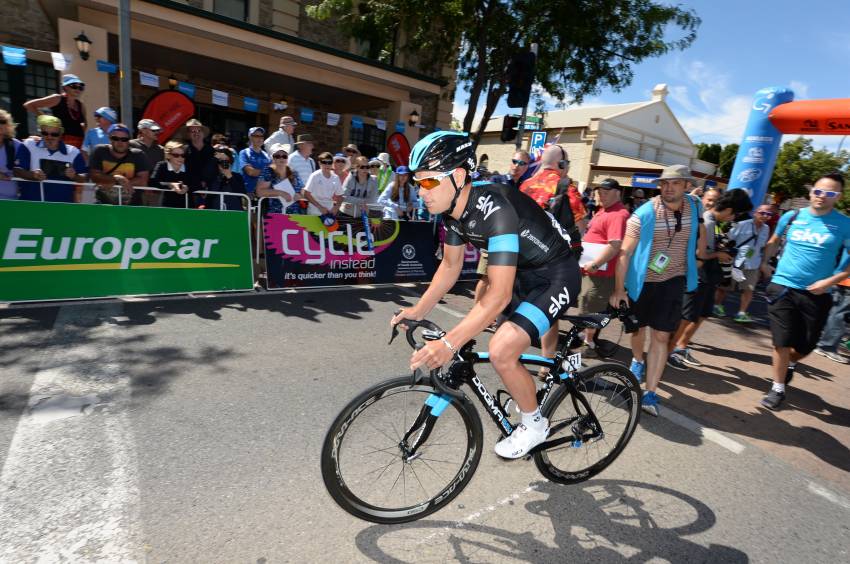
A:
522,440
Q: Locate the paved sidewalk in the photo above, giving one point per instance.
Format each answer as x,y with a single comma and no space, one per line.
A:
810,432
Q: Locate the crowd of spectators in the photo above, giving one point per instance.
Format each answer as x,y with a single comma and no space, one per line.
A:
675,257
107,164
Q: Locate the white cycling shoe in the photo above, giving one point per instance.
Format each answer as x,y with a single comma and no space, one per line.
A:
522,440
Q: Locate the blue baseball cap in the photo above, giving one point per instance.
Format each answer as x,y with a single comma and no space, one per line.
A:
118,127
256,130
402,170
107,113
68,79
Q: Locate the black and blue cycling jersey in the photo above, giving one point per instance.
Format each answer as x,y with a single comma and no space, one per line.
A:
510,226
515,231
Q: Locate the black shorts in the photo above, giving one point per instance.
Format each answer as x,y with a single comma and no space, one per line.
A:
797,317
699,303
545,293
659,305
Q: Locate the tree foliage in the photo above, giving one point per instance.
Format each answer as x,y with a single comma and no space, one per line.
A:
709,152
727,160
799,164
584,45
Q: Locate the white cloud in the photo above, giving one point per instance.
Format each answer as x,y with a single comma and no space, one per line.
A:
801,89
705,104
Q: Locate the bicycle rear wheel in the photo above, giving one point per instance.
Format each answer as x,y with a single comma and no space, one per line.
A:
595,421
367,464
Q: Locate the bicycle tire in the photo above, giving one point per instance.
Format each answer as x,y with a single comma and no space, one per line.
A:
610,381
336,452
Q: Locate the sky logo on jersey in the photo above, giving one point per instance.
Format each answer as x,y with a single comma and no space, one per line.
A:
558,303
485,205
809,236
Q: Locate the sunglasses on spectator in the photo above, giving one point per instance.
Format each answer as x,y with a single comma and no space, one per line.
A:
518,162
326,162
50,134
343,161
223,163
178,155
280,156
375,166
432,181
765,213
825,193
120,139
3,122
351,151
77,86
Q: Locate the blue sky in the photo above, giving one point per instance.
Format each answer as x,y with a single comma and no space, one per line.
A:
743,46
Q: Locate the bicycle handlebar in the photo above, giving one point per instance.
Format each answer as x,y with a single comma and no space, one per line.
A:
412,326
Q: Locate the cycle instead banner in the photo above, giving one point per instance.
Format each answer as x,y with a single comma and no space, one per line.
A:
55,251
302,251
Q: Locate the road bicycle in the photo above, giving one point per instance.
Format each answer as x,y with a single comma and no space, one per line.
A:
406,447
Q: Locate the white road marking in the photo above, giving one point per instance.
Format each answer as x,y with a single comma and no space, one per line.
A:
835,498
450,311
476,515
701,430
68,487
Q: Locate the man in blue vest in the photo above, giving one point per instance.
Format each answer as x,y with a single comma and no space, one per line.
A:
657,265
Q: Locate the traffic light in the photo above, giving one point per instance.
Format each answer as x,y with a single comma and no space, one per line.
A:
520,79
509,128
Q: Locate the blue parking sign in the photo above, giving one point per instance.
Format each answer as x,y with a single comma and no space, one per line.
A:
538,141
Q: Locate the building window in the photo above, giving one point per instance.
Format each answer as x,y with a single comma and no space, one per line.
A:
19,84
370,140
236,9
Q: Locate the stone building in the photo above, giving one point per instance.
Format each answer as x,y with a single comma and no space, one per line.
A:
269,50
629,142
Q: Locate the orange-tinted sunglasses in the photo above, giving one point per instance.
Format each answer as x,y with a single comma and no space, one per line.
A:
431,182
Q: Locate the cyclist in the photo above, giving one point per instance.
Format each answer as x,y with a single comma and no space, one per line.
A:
524,243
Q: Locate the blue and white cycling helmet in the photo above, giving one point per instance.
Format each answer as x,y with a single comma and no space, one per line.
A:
443,151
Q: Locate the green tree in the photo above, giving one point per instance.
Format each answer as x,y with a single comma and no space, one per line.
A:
727,160
709,152
800,164
584,45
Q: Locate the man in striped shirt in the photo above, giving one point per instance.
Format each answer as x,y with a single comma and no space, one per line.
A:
657,265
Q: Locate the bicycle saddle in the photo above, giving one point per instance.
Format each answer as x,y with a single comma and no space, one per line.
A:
591,320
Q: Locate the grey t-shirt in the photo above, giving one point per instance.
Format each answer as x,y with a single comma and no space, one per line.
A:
155,153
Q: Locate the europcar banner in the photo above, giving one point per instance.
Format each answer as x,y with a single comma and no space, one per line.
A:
61,251
302,251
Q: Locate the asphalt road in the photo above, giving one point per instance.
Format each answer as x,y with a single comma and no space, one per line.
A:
189,430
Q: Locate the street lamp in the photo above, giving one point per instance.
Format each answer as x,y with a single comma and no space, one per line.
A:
413,118
83,45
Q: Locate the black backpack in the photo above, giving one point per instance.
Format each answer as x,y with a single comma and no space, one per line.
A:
559,207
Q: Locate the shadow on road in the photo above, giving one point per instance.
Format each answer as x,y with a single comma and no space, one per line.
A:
599,521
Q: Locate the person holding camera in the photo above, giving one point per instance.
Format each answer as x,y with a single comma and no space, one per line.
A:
817,239
225,181
748,238
697,305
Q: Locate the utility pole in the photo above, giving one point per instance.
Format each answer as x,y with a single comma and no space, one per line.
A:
125,63
521,127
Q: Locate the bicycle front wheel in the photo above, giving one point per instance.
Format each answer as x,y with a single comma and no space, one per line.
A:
595,419
376,465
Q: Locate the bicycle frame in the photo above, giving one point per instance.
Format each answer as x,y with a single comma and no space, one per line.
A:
461,371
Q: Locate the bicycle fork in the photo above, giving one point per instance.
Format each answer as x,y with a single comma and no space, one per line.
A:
422,426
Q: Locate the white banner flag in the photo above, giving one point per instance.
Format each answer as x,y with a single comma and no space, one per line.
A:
60,61
381,124
333,119
148,79
219,98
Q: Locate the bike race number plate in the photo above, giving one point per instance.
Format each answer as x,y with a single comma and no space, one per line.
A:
572,363
55,251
